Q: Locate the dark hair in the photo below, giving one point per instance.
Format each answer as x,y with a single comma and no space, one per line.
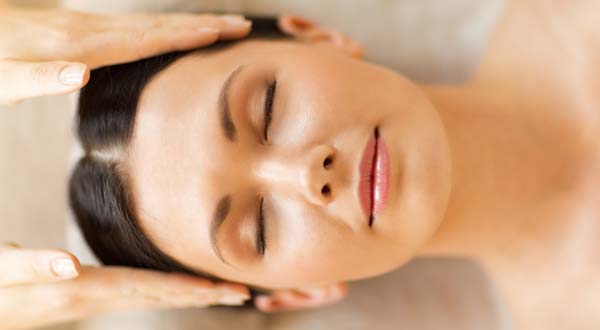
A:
99,191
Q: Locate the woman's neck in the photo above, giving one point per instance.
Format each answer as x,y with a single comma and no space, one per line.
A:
523,136
510,158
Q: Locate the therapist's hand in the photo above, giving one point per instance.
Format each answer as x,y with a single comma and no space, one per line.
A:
42,287
44,52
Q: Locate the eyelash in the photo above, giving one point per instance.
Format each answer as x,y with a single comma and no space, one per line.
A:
268,112
261,243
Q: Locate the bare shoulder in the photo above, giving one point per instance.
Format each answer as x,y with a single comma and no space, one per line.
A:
564,292
534,39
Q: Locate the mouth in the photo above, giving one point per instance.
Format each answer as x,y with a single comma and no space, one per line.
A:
374,171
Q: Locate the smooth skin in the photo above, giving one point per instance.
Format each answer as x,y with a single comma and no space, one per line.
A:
45,52
503,169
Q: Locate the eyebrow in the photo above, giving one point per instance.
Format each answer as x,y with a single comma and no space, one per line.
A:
224,114
219,216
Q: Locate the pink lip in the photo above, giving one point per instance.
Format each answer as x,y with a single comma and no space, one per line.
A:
374,171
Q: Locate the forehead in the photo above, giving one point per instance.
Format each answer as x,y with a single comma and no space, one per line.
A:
176,114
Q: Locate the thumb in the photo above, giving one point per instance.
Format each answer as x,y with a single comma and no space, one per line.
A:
20,80
21,266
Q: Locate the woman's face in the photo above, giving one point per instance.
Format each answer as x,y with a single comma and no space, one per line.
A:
202,163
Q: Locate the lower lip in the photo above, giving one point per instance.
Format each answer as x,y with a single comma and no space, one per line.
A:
373,187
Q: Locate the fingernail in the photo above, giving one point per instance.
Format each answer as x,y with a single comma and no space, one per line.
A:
232,300
235,20
64,267
73,74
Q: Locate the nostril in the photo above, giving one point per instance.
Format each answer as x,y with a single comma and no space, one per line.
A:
326,191
327,162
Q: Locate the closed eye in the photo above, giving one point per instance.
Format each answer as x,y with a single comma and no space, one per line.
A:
261,244
268,111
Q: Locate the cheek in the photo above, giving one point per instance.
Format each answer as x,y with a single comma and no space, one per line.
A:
321,97
312,247
311,112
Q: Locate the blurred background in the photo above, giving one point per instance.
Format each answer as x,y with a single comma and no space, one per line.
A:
427,40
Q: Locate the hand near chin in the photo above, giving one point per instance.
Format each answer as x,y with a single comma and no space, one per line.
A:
45,52
41,287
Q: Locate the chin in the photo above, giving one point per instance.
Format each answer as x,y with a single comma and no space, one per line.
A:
420,174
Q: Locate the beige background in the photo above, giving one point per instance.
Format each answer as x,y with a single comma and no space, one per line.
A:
428,40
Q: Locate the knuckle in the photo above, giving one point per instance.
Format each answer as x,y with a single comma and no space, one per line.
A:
139,275
41,72
65,299
121,278
141,41
62,39
142,35
34,272
148,21
67,302
209,16
139,37
181,19
159,21
68,38
71,19
67,32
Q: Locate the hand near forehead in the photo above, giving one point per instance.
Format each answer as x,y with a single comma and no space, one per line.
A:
44,52
42,287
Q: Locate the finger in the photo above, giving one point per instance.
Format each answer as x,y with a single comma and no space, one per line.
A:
229,26
20,266
117,47
149,35
137,288
233,26
105,289
21,80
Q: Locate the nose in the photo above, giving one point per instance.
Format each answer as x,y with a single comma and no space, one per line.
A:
310,173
